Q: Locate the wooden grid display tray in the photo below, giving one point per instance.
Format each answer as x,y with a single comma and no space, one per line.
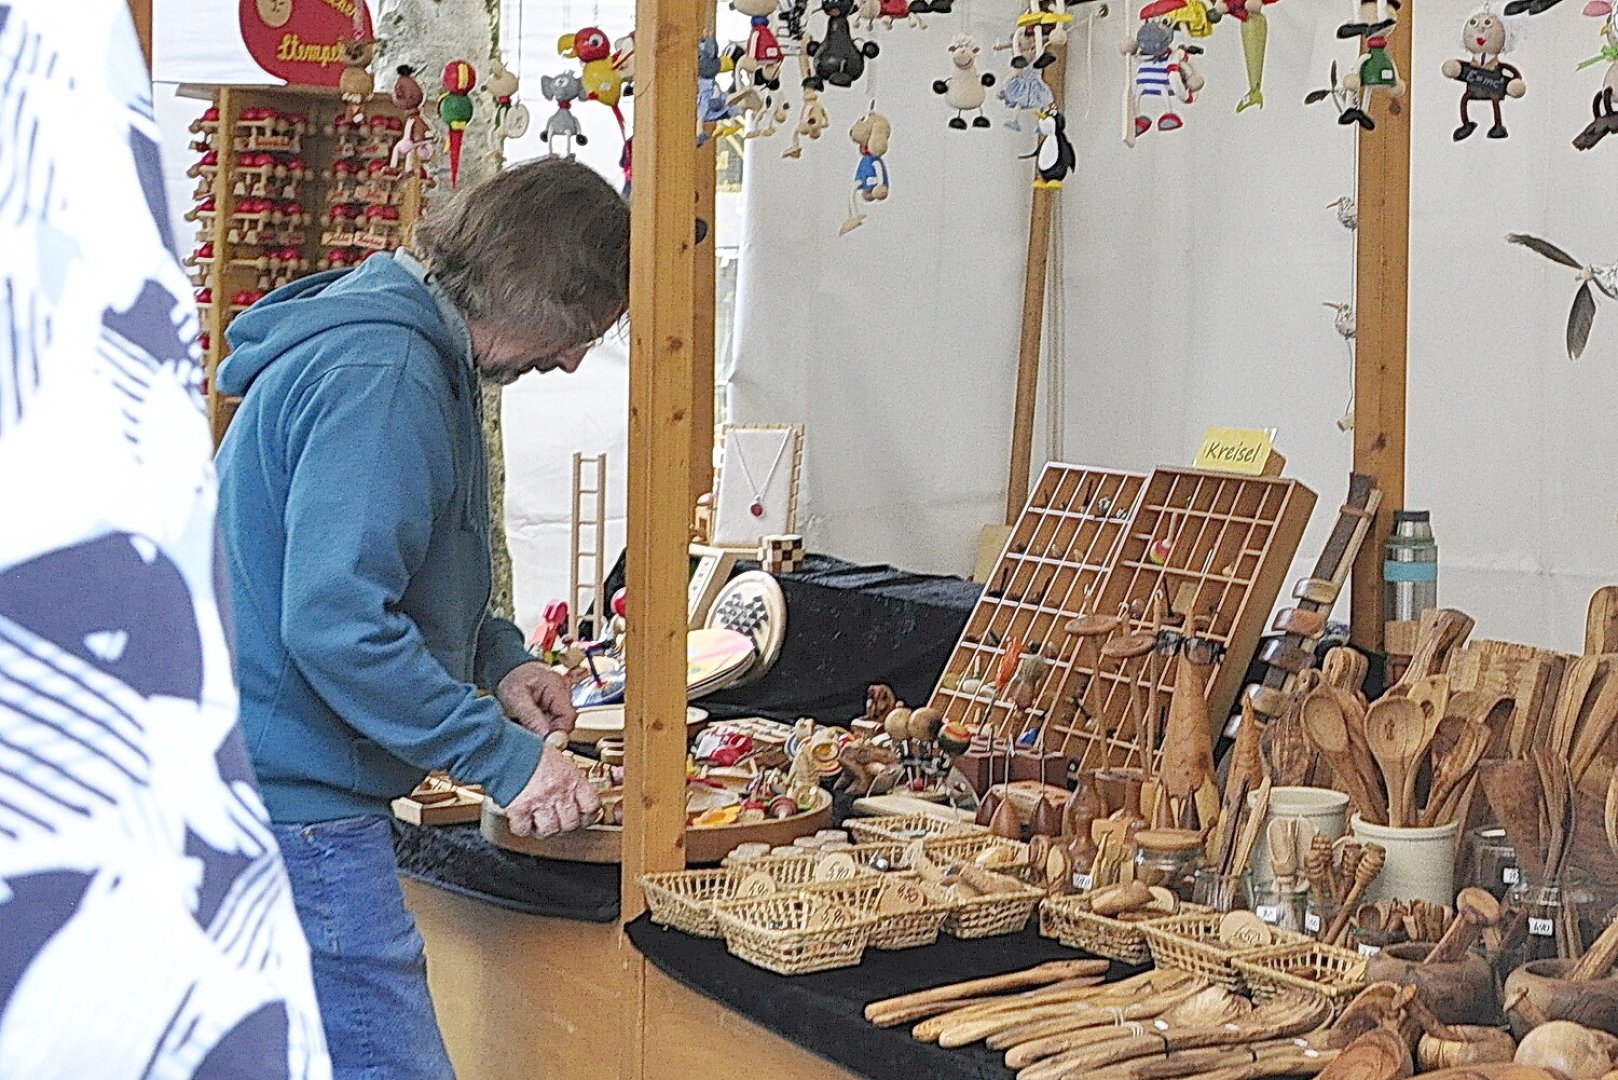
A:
903,828
1069,920
794,933
906,913
1208,545
1052,566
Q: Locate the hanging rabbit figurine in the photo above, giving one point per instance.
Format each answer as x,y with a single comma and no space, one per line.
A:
1485,76
871,133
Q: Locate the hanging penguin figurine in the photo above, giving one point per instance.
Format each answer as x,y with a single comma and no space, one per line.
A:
1053,157
455,109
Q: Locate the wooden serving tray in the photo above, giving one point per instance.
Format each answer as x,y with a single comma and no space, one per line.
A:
604,843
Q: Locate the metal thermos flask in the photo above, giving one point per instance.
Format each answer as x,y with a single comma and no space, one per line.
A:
1410,567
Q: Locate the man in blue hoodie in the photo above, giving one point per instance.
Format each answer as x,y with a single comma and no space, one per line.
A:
354,505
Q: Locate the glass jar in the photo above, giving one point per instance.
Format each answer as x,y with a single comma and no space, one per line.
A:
1285,908
1222,892
1561,919
1168,857
1491,861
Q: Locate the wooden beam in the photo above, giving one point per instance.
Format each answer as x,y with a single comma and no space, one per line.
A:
662,351
1033,320
704,345
141,12
1381,305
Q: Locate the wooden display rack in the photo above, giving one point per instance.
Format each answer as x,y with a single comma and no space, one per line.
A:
1091,541
238,259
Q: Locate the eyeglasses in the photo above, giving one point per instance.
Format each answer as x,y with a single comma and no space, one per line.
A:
1197,650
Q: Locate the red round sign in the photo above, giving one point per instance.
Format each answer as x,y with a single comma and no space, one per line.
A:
299,40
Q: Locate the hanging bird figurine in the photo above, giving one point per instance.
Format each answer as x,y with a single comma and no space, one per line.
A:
603,74
1053,157
1583,313
455,109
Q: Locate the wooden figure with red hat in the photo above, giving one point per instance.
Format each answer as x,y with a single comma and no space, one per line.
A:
1161,68
455,109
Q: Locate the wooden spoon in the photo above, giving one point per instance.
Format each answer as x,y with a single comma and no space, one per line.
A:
1454,769
1474,910
1442,631
1323,720
1396,729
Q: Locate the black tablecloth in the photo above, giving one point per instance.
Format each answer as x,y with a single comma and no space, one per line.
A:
825,1012
848,626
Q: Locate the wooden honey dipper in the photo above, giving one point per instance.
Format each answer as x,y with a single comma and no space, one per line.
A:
1317,870
1366,869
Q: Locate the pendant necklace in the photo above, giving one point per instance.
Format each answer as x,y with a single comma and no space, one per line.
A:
756,508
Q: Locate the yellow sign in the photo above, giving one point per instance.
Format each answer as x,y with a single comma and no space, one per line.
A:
1235,450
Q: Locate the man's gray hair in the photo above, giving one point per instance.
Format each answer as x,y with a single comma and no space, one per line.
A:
543,245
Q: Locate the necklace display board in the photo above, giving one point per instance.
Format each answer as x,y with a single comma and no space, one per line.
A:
1204,545
757,494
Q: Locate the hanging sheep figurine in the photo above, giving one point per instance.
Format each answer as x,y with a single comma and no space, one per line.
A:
839,59
564,89
871,133
1486,77
966,89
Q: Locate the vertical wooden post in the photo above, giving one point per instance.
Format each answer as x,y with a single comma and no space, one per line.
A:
1033,321
1381,308
141,12
663,344
702,357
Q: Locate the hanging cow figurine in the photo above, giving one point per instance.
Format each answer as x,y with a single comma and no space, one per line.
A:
564,89
1376,70
966,89
1486,77
871,133
839,59
1604,116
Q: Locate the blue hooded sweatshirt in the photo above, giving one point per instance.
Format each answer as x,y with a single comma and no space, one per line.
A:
354,505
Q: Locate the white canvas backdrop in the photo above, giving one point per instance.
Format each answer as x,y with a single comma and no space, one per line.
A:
1192,272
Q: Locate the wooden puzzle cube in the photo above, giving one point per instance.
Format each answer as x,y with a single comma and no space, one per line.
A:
781,554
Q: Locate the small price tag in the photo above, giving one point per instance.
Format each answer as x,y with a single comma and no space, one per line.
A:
1510,875
1311,922
1542,927
1369,950
1268,912
1083,882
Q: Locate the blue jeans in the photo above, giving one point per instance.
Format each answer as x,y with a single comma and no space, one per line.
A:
370,970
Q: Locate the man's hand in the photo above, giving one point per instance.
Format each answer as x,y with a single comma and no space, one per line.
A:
557,799
537,698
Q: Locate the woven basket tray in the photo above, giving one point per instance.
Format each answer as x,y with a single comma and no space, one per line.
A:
1339,973
685,899
969,848
1070,921
1176,942
905,930
793,933
903,828
994,913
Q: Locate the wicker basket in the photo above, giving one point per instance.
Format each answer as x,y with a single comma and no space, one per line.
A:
789,871
1177,942
865,854
906,930
903,828
993,913
793,933
969,848
1070,921
685,899
1278,969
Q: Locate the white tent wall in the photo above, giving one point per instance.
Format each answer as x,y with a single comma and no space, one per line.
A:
1191,276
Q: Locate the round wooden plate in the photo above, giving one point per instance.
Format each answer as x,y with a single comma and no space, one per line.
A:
752,604
607,721
716,658
604,843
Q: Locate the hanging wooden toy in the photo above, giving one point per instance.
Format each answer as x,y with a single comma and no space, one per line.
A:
1255,43
1161,68
1053,157
712,108
1045,26
812,119
1025,91
1582,315
1376,69
966,89
839,59
756,66
416,141
1485,76
1604,117
455,109
564,90
510,115
871,133
356,83
870,12
603,73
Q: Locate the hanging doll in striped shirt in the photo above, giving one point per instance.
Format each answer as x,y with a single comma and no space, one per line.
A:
1162,69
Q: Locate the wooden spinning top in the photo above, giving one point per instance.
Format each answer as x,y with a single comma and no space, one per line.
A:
1130,646
924,724
897,724
1005,821
988,806
1046,819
